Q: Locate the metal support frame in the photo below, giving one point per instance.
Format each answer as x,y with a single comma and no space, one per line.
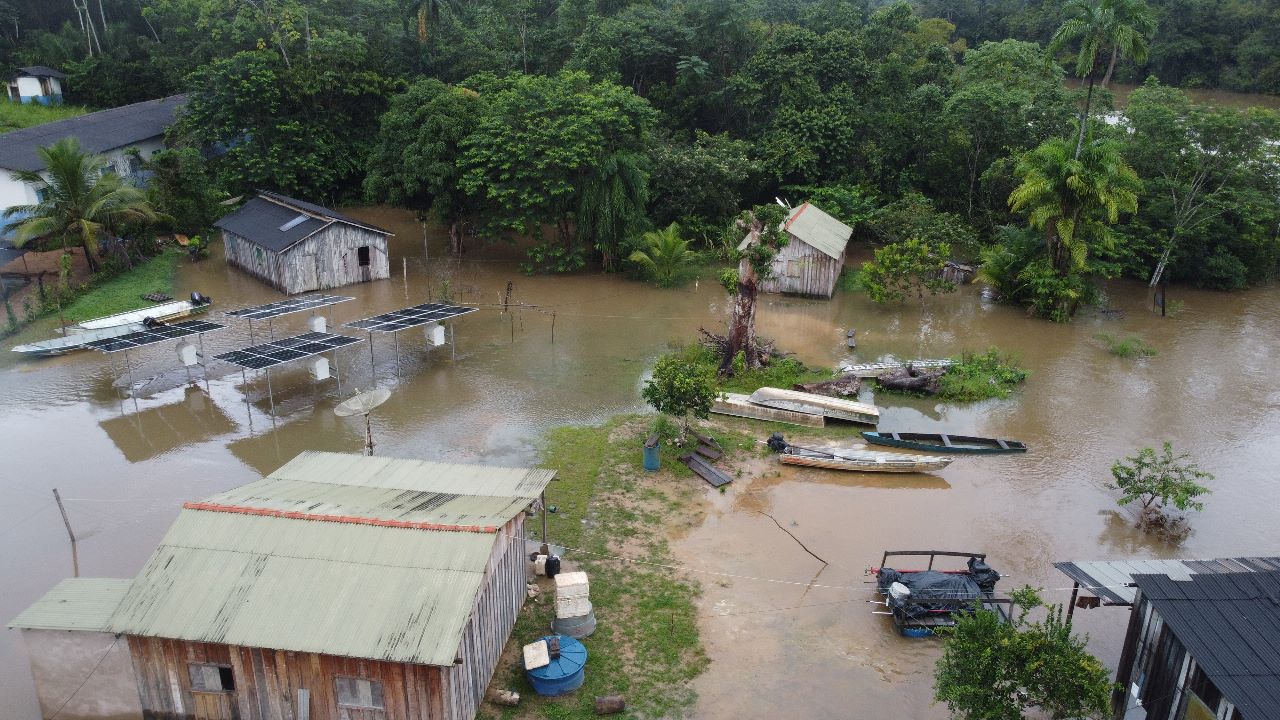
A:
270,393
396,336
1071,606
373,370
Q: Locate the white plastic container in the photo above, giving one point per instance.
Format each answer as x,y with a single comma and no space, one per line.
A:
317,323
572,585
573,607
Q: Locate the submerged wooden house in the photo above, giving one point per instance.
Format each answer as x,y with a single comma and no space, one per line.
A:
297,247
339,587
813,257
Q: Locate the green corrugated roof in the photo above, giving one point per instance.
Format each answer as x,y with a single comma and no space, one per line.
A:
75,604
419,475
316,558
815,228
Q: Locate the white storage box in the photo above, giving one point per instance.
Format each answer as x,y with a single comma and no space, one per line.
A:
573,607
572,585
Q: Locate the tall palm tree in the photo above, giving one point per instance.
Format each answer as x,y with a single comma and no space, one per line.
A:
668,255
1073,199
79,203
611,202
1132,25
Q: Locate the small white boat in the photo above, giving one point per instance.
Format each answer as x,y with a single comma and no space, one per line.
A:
115,326
813,404
854,460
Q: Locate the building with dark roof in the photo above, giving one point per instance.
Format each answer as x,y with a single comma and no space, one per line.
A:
296,246
1202,646
36,84
110,133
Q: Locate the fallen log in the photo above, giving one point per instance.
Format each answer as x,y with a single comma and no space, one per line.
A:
765,348
910,379
844,386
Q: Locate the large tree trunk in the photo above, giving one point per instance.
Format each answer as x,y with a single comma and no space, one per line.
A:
742,313
88,257
1111,67
456,237
1084,116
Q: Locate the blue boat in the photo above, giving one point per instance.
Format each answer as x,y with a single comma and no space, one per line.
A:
950,444
563,674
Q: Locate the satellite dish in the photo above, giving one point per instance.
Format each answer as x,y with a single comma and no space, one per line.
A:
363,404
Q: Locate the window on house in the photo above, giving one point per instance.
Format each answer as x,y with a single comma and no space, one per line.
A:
211,678
363,255
359,693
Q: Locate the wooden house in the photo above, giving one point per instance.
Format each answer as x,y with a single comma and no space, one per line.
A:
340,587
296,247
811,261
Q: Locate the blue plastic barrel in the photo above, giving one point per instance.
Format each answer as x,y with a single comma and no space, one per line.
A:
651,458
565,673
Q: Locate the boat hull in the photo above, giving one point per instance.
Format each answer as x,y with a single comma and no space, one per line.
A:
77,340
952,445
865,462
740,405
813,404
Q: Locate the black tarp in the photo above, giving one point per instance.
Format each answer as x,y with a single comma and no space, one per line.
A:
934,591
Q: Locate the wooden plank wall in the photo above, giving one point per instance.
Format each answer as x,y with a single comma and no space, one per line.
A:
267,683
255,260
501,596
801,269
339,264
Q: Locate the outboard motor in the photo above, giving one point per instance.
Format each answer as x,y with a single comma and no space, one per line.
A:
198,299
777,443
150,322
983,574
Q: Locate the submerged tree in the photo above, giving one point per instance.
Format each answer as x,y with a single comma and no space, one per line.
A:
910,266
80,202
765,237
1158,481
997,669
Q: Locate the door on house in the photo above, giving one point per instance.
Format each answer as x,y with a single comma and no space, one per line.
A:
212,690
366,270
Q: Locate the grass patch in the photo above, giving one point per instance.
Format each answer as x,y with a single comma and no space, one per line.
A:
15,116
850,280
646,645
980,376
781,372
124,292
1127,347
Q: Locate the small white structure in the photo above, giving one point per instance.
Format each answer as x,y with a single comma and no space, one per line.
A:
110,133
36,84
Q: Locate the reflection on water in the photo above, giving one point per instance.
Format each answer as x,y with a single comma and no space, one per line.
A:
1210,391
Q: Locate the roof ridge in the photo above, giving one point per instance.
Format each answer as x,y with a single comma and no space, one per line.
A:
348,519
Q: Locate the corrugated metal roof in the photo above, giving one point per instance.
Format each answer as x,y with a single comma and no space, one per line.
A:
41,71
75,604
815,228
420,475
1112,580
1230,624
97,132
277,222
354,590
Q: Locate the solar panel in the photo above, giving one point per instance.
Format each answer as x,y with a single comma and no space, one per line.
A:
153,335
285,307
270,354
409,317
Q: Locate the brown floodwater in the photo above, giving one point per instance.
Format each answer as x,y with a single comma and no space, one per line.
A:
125,467
1207,96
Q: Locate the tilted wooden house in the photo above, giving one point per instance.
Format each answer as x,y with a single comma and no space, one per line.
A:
813,257
340,587
296,247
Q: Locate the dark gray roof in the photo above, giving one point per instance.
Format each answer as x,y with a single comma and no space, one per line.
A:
1112,580
97,132
41,71
1230,624
268,221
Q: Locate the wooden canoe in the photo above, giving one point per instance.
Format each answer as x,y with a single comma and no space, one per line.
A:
740,405
862,461
814,404
950,444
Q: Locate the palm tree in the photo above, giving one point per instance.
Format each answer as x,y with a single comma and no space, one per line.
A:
79,203
1072,199
668,255
1132,25
611,202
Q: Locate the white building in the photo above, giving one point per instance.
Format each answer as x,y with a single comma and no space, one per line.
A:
111,133
36,84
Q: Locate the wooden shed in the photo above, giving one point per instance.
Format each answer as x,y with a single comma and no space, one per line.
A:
340,587
813,257
296,246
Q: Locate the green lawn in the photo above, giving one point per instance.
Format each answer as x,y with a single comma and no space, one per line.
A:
14,116
124,292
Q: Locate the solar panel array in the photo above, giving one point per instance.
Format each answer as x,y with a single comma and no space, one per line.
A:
153,335
266,355
409,317
292,305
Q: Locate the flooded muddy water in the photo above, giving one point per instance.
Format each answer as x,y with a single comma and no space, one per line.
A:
778,645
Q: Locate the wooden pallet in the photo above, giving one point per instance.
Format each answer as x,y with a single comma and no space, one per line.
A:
705,470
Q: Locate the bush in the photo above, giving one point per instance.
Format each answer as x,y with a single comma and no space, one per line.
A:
982,376
909,266
1224,271
1129,347
780,372
681,388
1157,481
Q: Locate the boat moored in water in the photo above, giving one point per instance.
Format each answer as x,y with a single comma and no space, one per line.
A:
943,443
854,460
115,326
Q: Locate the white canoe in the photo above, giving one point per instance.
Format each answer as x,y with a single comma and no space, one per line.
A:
163,311
813,404
863,461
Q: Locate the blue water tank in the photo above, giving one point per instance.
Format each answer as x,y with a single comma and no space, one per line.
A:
565,673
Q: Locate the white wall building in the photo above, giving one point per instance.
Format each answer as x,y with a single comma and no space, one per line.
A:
36,84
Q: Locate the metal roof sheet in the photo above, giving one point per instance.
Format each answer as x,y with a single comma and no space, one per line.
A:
420,475
277,222
75,604
1230,624
814,227
354,590
41,71
97,132
1112,580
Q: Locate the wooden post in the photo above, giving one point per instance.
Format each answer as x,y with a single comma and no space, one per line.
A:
553,328
1071,606
543,497
75,559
